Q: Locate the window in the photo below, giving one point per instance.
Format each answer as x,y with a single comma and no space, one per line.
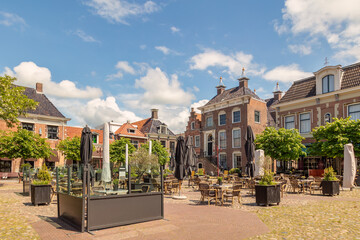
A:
50,165
222,119
290,122
31,163
5,166
163,129
222,140
200,165
327,118
223,163
328,84
257,116
28,126
131,130
237,160
209,121
163,143
172,146
236,138
236,116
305,124
354,111
192,125
95,138
197,141
135,143
191,140
52,132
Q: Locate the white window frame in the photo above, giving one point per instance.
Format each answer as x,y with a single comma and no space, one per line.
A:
348,110
232,114
197,142
220,114
161,129
234,159
222,154
212,121
97,137
232,137
220,132
192,125
325,118
259,116
328,85
286,122
300,122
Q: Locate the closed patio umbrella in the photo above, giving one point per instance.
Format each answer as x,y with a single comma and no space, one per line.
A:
250,152
190,157
180,163
86,149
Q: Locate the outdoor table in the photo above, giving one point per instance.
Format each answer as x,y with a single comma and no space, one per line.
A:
166,185
112,192
221,188
305,183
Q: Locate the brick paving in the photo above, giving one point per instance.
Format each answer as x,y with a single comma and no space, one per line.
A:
189,219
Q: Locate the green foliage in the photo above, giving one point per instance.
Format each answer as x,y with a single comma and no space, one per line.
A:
116,181
219,179
159,150
70,147
43,176
200,172
13,101
331,138
330,174
118,148
25,165
267,178
234,170
99,170
283,144
142,162
23,144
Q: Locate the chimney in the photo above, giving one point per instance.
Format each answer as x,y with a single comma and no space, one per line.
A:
277,93
243,82
221,87
192,113
39,88
154,113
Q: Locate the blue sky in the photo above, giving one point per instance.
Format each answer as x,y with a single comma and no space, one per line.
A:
103,60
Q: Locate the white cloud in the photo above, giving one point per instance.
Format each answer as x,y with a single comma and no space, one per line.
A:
10,19
28,74
85,37
159,89
122,67
300,49
338,22
286,74
119,10
142,46
174,29
232,63
166,50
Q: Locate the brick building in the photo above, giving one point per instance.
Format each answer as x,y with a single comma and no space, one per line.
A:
222,129
130,131
333,92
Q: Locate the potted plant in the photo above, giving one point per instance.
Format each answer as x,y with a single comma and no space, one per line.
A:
235,171
267,191
220,180
330,184
201,172
98,175
41,188
116,184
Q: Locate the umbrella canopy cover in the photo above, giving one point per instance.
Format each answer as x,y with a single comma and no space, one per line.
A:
190,156
250,151
86,145
180,159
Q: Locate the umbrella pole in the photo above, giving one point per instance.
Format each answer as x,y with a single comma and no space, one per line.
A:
180,183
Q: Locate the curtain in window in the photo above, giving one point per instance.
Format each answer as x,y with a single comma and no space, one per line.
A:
305,124
290,122
222,136
354,112
236,138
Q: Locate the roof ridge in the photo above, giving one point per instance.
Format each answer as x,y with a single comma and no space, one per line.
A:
351,65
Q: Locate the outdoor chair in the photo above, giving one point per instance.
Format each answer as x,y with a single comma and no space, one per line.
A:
174,186
145,188
208,193
155,184
251,185
295,185
316,185
235,192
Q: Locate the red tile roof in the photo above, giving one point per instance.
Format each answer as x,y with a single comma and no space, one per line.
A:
123,130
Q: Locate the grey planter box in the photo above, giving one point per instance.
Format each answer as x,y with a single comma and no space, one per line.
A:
267,194
40,194
330,188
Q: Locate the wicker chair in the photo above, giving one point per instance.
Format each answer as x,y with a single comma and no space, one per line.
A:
295,185
235,192
207,193
316,185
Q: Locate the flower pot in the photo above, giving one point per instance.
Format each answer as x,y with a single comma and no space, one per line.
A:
267,194
330,188
116,187
40,194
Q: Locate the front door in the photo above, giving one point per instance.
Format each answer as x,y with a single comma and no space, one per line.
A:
209,148
210,145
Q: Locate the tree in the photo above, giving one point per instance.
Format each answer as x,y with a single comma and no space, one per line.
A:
331,138
159,150
283,144
24,144
70,147
13,102
141,162
118,148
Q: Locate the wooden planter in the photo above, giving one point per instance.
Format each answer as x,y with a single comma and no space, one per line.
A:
267,194
40,194
330,188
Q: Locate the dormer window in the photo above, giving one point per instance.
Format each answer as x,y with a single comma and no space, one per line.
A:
131,130
163,129
328,84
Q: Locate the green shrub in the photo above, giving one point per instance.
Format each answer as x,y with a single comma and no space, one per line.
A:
330,174
43,176
99,170
25,165
220,179
116,181
200,172
267,178
234,170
